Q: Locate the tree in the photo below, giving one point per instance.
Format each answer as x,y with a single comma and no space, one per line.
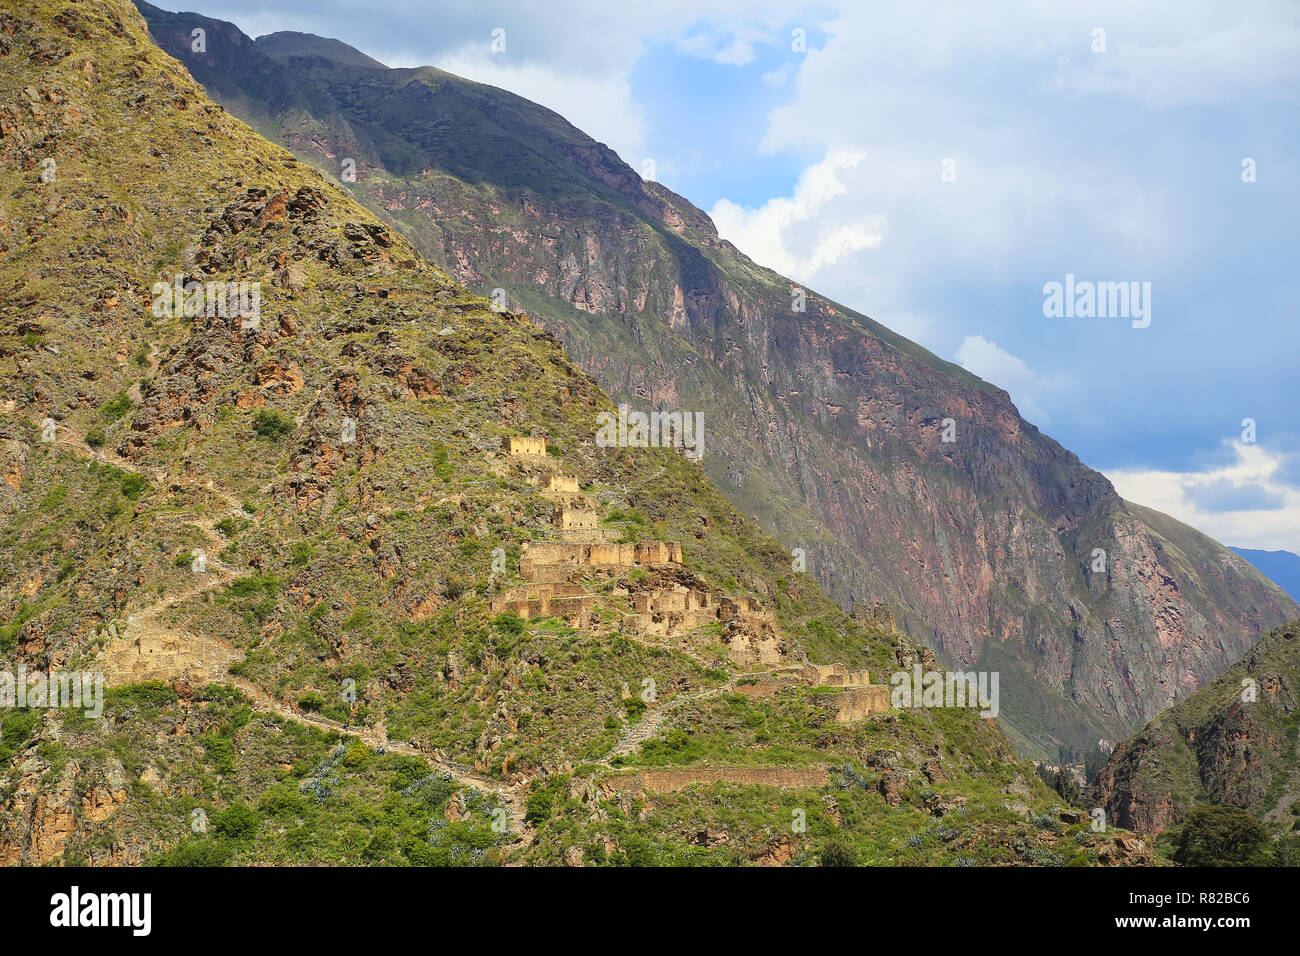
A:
1220,836
1093,762
1066,788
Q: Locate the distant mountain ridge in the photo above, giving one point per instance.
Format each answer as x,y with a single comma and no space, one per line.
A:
823,424
1280,567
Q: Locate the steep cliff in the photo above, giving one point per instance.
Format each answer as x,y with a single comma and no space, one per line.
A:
823,424
1235,741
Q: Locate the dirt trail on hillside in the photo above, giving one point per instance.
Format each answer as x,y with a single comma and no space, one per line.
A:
149,648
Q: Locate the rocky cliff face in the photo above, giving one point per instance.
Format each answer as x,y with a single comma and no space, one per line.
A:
823,424
1233,742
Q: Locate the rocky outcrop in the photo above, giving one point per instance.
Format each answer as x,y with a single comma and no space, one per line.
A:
1232,742
37,819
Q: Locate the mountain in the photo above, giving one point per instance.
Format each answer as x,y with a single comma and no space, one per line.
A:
823,424
362,587
1280,567
1235,741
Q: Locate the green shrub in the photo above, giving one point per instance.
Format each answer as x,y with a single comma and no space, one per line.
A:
220,750
95,438
17,730
272,424
197,853
442,467
282,803
117,406
508,622
250,586
133,486
152,693
359,619
237,822
230,526
837,852
227,694
540,807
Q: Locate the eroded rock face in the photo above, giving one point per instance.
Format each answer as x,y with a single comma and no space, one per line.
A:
39,819
822,423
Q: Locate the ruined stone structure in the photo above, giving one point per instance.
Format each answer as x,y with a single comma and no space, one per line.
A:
663,601
568,601
576,519
145,652
556,560
562,483
834,675
547,568
858,703
516,446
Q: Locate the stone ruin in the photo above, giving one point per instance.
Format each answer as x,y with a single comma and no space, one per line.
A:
858,703
576,519
562,483
834,675
549,567
516,446
665,602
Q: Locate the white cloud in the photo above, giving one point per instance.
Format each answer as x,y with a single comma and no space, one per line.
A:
994,364
766,234
1185,496
1165,72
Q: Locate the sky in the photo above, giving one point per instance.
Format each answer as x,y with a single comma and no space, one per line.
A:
937,165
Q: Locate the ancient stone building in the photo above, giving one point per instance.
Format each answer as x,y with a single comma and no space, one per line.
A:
858,703
835,675
576,519
516,446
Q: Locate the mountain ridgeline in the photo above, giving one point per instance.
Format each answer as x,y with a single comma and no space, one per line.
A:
1281,567
823,424
360,585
